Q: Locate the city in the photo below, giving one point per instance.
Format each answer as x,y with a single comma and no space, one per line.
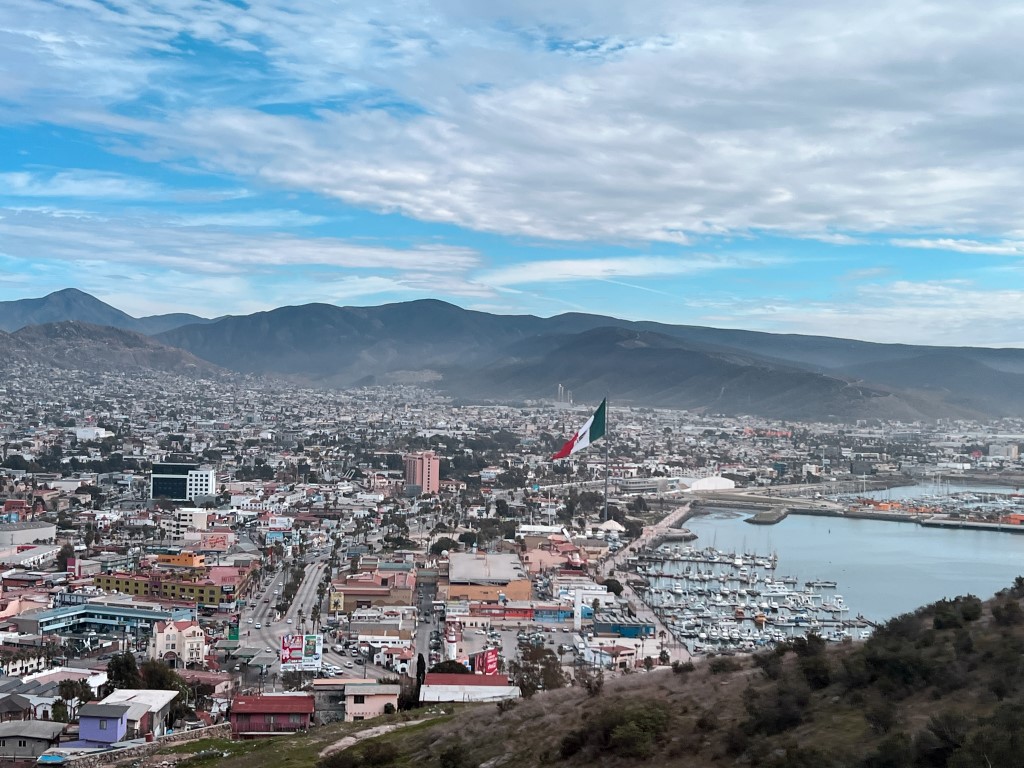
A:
338,553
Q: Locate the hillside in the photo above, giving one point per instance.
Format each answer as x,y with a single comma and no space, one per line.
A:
480,356
942,687
72,304
86,347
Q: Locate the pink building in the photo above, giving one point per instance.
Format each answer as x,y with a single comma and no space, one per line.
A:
423,469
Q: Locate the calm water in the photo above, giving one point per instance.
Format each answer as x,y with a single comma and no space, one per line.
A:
882,569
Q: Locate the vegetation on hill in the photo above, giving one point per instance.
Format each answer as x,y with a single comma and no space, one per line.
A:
943,686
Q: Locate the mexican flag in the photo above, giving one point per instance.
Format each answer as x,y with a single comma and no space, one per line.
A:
587,434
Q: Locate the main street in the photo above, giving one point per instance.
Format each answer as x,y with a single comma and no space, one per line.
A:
268,627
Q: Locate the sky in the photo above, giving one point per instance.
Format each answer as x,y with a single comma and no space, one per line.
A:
845,169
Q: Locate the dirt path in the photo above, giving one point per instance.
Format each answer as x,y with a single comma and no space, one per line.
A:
369,733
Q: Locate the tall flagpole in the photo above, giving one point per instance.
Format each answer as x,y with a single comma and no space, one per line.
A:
606,460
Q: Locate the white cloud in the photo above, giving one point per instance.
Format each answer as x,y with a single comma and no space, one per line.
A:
572,120
997,248
563,270
76,183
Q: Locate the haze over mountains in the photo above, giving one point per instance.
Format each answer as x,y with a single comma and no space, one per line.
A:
480,356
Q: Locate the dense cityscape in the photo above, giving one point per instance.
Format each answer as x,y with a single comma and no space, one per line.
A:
278,558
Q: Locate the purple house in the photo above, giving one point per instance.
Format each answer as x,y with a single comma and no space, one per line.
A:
102,723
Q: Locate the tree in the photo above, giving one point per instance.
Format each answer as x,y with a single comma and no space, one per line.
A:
614,586
648,663
66,552
74,693
59,712
444,544
123,672
450,668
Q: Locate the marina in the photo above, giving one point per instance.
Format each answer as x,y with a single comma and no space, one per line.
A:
714,601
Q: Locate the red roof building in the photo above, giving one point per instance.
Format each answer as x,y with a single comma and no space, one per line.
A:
269,715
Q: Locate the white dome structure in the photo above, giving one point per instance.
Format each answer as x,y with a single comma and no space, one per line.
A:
716,483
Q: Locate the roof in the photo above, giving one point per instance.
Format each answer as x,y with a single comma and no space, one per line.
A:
154,699
484,568
293,703
93,709
31,729
448,678
14,703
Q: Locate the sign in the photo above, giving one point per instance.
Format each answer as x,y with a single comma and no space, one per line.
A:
214,542
280,523
302,653
487,661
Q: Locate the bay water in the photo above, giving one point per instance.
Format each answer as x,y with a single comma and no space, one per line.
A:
882,568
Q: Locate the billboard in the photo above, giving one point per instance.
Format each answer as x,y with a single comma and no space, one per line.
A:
302,653
280,523
487,661
214,542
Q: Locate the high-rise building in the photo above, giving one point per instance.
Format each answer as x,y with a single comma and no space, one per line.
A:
182,482
423,469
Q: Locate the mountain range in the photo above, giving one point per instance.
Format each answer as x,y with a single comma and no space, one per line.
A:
73,304
481,356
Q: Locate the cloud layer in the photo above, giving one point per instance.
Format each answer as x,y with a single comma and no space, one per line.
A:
454,148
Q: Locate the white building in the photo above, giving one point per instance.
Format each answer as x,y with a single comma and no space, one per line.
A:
439,687
184,520
178,643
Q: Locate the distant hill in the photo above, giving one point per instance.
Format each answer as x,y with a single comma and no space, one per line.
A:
72,304
477,355
481,356
87,347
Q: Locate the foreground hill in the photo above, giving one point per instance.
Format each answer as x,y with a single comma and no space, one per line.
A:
72,304
86,347
939,688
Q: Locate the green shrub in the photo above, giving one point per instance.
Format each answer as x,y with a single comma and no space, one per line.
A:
721,665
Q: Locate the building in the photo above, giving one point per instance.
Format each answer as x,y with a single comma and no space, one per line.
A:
442,687
102,724
184,520
487,577
179,643
182,482
423,469
253,717
149,709
27,739
14,534
347,699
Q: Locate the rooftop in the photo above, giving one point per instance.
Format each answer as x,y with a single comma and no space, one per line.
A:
484,568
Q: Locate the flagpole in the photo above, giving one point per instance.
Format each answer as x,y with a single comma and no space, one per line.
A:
606,460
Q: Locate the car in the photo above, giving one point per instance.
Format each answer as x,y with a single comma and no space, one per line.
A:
337,649
348,664
358,661
258,625
266,599
289,621
275,592
248,621
269,650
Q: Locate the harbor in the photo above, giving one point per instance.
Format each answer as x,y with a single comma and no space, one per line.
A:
716,602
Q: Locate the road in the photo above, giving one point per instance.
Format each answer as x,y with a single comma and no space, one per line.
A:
267,636
676,652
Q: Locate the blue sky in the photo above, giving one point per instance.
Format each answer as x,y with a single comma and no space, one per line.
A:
783,166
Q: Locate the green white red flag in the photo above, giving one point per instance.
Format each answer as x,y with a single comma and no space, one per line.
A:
590,432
